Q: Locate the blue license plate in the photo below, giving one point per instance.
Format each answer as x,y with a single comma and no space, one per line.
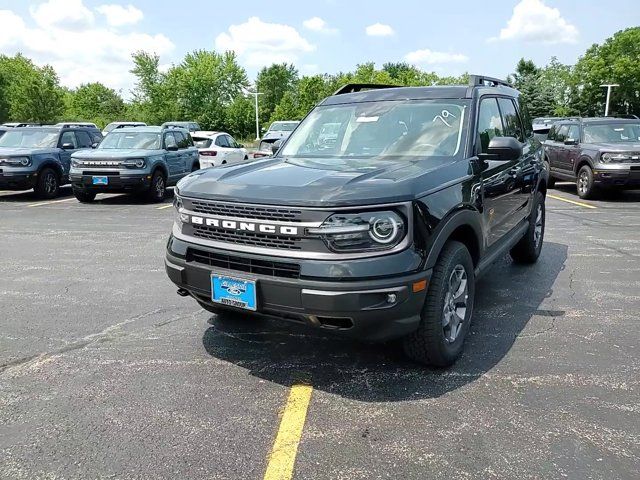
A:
100,180
235,292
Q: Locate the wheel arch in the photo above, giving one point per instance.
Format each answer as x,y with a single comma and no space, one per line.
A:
582,161
53,164
463,226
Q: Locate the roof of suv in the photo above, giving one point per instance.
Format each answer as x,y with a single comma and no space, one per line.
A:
149,129
599,120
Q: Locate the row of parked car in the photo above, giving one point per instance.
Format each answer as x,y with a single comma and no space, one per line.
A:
129,157
598,154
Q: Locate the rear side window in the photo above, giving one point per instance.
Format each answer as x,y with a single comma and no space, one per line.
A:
489,122
84,140
525,117
221,141
512,126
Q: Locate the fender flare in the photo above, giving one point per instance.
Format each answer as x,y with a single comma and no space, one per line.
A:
162,166
460,218
52,163
581,161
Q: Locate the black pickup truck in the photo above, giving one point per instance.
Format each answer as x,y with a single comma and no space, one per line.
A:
378,234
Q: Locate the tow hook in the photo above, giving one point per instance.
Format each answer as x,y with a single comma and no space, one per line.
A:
182,292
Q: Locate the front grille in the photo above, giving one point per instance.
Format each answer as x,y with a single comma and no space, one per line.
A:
242,264
246,238
246,211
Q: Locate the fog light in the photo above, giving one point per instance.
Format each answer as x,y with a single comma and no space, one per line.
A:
391,298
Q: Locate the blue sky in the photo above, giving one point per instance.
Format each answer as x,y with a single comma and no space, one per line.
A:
88,40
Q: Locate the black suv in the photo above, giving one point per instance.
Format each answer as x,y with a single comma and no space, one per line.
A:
379,234
596,153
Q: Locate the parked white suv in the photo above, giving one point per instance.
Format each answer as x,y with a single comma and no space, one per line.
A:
218,148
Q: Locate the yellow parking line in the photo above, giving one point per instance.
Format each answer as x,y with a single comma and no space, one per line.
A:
165,206
39,204
283,454
585,205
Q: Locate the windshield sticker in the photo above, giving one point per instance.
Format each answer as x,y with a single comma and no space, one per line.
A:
444,114
367,119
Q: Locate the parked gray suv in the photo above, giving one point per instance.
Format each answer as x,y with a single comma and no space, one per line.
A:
596,153
142,160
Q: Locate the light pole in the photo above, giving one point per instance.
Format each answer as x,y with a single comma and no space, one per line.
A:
609,87
255,96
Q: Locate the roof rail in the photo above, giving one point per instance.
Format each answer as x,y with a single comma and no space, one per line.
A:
358,87
476,80
75,124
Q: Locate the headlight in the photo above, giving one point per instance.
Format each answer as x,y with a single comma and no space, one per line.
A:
16,161
362,231
75,163
620,157
134,163
179,216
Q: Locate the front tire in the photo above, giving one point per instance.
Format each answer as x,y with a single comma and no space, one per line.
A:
551,182
157,188
446,315
48,185
528,249
83,196
584,184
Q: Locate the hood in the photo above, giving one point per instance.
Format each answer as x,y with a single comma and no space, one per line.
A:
323,182
115,154
13,152
615,147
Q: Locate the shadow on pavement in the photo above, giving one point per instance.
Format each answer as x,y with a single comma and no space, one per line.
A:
506,299
29,196
613,195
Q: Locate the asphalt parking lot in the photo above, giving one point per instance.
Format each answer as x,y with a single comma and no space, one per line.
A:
106,373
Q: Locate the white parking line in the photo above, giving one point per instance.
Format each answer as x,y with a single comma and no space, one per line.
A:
165,206
39,204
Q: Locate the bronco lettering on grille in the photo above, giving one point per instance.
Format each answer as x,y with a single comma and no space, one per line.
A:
244,226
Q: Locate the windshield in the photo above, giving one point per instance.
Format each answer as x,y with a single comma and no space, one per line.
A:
612,133
130,140
282,126
32,138
412,128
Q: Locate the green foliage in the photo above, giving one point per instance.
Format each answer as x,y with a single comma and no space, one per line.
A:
29,93
273,82
93,102
240,117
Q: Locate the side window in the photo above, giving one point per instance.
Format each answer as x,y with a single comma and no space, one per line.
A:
84,140
574,132
221,141
512,126
561,136
525,117
97,137
180,140
189,140
552,134
169,140
232,143
69,137
489,122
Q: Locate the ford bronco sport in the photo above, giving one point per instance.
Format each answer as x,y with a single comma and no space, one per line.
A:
380,233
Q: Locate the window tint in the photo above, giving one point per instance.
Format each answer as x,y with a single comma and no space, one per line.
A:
232,143
512,127
552,134
84,140
69,137
574,132
221,141
525,117
181,140
561,136
489,122
96,137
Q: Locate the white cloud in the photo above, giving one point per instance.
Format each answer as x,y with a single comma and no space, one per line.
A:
317,24
533,21
118,15
79,52
429,57
62,13
379,30
309,68
259,43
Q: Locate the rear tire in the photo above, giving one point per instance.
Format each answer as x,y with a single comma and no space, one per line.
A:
584,183
447,312
48,184
528,249
158,187
83,196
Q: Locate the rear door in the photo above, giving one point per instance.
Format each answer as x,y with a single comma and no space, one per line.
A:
237,155
223,148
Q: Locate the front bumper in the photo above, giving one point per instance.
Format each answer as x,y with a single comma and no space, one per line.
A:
126,182
376,309
622,176
17,181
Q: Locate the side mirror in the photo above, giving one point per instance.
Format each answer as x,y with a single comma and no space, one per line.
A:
95,144
68,146
503,149
172,148
571,141
240,145
275,146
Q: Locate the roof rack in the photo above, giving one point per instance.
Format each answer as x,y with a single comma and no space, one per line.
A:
358,87
476,80
75,124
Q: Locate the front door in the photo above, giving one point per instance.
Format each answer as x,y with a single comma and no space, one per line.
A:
571,152
172,156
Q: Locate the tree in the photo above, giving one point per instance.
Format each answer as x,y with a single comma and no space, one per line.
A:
273,82
240,117
37,96
95,103
151,95
615,61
